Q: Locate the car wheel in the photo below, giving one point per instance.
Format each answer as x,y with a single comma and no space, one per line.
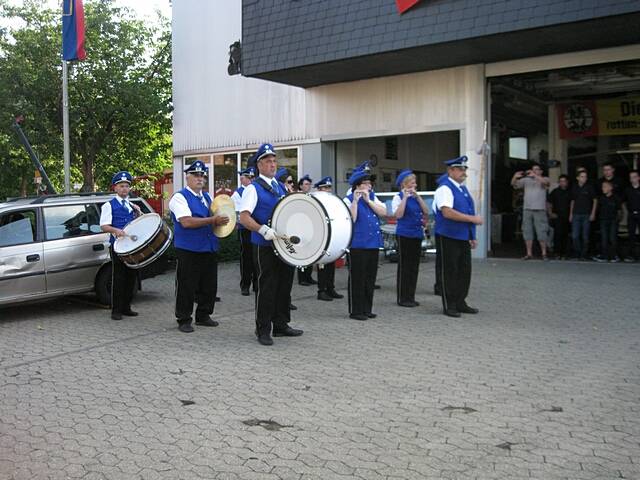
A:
103,286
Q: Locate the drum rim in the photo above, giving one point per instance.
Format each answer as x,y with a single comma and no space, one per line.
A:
158,228
326,216
153,258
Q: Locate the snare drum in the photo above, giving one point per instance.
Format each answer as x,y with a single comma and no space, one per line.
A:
320,220
147,237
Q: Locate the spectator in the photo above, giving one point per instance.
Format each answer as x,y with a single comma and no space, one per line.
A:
609,208
632,199
559,204
581,213
609,175
534,216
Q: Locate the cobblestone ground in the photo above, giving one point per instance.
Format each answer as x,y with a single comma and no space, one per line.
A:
543,383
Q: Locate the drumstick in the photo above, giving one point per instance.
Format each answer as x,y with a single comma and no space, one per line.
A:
134,238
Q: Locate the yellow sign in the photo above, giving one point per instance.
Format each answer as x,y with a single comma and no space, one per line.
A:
619,117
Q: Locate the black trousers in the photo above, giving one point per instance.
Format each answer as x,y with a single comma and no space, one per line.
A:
304,275
363,268
123,281
247,272
196,281
437,286
273,296
408,267
633,223
561,228
326,277
455,256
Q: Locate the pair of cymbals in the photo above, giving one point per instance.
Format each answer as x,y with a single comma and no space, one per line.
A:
223,205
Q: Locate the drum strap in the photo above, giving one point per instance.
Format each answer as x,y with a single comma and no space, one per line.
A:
266,186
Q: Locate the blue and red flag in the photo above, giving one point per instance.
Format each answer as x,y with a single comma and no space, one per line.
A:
73,30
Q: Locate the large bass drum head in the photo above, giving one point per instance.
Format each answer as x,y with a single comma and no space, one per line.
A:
302,216
142,228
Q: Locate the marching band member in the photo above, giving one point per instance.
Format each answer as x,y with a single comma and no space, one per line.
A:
284,177
411,213
247,272
326,272
455,228
196,247
274,288
114,215
365,209
304,274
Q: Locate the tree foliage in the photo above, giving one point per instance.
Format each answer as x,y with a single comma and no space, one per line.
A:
119,97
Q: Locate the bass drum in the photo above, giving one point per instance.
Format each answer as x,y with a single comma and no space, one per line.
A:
147,239
320,220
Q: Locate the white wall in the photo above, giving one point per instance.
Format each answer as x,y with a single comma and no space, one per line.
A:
212,109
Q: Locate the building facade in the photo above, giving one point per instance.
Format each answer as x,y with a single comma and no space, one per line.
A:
334,83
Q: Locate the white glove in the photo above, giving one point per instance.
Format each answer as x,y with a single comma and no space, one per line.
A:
268,233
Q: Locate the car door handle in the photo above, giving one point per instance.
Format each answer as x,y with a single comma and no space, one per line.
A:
97,247
33,258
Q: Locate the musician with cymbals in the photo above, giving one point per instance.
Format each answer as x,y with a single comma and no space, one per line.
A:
196,250
114,216
247,272
411,213
326,272
365,209
274,288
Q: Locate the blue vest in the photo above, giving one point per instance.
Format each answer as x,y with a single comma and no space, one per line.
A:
199,239
264,209
463,203
366,229
239,191
410,225
120,216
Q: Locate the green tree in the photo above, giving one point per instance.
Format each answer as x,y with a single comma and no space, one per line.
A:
120,96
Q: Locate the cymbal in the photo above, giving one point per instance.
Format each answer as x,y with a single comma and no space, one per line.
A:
223,205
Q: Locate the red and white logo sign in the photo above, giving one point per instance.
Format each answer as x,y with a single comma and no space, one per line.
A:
404,5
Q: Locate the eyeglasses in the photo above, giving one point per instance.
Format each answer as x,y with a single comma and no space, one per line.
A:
289,181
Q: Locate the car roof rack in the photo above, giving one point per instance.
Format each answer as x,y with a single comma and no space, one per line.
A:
37,200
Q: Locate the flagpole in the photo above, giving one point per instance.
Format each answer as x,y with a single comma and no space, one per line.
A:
65,128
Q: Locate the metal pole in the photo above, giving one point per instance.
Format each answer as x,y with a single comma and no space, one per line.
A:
65,128
34,157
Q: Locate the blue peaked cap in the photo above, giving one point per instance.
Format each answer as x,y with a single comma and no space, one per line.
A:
122,176
402,175
324,182
305,177
364,166
197,167
248,172
282,172
358,175
264,150
457,162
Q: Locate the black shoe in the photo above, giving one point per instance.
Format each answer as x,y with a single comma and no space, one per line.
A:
265,339
185,328
116,316
325,296
130,313
217,299
304,283
467,309
356,316
408,304
287,332
377,287
292,307
244,292
452,312
372,315
207,322
334,294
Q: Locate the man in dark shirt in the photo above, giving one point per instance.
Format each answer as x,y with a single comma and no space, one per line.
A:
559,205
632,199
609,208
582,212
609,175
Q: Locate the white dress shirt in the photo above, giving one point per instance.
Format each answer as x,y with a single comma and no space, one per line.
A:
179,206
249,198
444,196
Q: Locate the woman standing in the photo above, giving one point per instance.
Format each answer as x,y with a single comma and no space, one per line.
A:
365,209
411,213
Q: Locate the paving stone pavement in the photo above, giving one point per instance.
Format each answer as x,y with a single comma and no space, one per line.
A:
542,384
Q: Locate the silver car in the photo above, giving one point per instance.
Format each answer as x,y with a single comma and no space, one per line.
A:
53,245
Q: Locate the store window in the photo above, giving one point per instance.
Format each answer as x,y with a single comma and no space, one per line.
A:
225,173
286,157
